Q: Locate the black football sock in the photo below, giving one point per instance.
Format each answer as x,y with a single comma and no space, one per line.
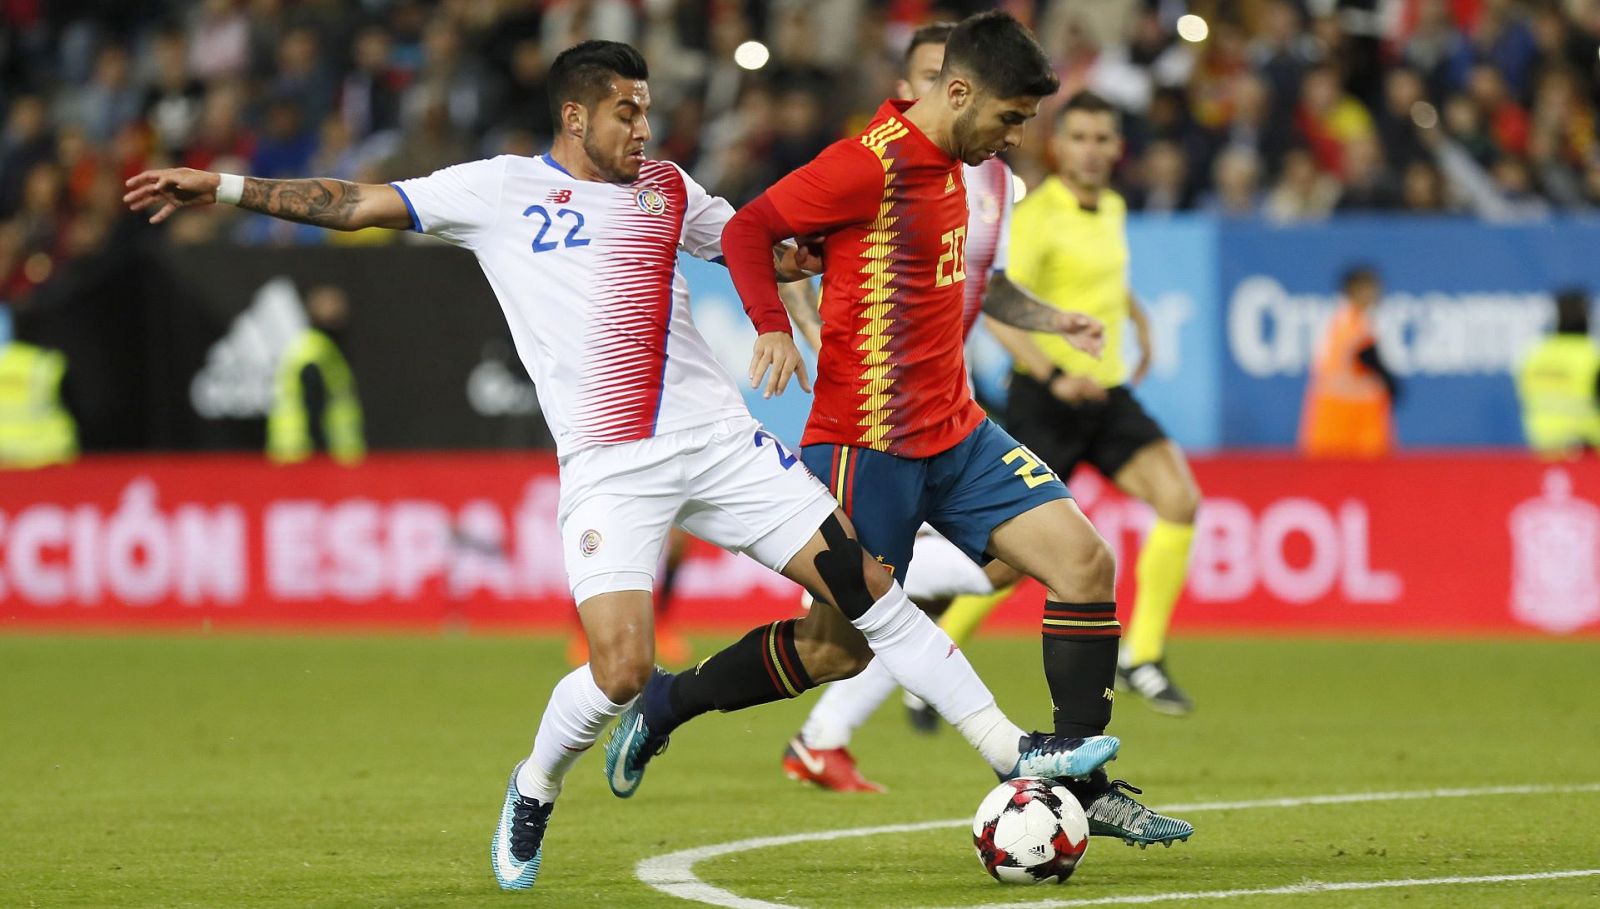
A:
1080,664
761,667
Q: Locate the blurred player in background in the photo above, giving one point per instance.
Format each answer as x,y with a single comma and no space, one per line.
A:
939,569
1350,394
1071,249
580,246
894,430
1559,384
314,404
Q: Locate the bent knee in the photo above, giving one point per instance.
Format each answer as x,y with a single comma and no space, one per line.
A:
842,661
622,678
1181,506
1086,571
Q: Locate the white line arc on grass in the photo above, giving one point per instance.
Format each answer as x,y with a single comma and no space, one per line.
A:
673,873
1294,889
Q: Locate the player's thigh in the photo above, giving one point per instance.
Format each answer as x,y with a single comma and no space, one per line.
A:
941,571
615,515
749,494
1055,544
984,482
1158,474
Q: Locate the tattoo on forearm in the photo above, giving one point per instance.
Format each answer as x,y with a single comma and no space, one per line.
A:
323,202
1008,303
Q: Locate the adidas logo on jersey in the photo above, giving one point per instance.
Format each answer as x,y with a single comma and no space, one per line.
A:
949,183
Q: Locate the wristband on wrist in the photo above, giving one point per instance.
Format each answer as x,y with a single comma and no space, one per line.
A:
230,190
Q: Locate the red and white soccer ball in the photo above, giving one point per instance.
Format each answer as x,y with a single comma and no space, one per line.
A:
1030,830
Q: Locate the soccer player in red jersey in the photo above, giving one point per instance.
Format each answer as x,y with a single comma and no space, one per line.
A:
894,431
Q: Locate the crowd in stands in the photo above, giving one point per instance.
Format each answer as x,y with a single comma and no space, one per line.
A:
1290,110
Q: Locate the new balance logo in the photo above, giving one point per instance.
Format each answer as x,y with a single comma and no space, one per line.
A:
559,196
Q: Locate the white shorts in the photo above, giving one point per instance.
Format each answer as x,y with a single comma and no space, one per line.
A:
729,483
939,570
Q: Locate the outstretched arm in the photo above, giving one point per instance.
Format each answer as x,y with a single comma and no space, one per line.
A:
335,204
1006,302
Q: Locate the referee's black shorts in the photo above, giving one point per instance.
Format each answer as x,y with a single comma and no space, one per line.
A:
1105,433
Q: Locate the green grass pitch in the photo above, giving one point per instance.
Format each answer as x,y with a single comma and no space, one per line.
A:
368,771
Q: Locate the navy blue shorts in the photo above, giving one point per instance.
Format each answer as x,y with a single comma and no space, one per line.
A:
965,492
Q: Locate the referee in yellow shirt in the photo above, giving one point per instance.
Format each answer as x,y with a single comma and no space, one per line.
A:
1068,247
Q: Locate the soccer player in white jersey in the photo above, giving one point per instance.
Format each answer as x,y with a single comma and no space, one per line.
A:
939,570
580,246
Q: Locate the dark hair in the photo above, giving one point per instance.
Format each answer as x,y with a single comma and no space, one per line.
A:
1358,274
933,33
583,72
1000,55
1572,312
1088,102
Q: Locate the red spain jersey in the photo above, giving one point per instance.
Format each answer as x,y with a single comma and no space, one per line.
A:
891,375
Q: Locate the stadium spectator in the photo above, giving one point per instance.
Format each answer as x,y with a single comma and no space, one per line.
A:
1302,193
1164,180
1237,180
420,83
1328,119
1368,183
174,98
369,95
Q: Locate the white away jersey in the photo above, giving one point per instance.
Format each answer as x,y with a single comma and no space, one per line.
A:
989,202
587,276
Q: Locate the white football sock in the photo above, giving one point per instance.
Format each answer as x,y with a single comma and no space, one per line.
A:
845,705
923,659
577,711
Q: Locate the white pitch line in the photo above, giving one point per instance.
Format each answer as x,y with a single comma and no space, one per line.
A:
673,873
1293,890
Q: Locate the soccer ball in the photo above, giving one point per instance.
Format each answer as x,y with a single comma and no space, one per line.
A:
1030,830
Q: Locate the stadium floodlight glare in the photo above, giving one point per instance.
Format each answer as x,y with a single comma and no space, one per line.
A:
1424,115
751,55
1192,28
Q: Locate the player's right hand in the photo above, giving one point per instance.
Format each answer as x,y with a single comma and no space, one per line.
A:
1084,332
172,188
775,351
1076,389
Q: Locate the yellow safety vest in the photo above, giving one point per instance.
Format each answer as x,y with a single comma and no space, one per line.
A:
289,425
35,429
1557,388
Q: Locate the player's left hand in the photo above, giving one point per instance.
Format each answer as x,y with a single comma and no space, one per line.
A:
1086,333
775,351
171,189
808,253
